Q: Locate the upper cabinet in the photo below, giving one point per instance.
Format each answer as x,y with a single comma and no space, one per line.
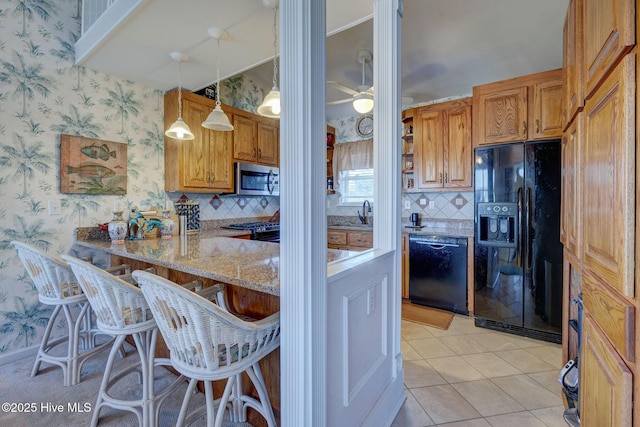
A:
255,139
443,153
519,109
204,163
609,33
572,81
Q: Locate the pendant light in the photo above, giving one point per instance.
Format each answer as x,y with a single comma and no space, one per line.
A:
270,106
217,119
179,129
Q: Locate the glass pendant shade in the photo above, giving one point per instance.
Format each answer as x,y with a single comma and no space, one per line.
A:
363,102
217,120
270,106
179,130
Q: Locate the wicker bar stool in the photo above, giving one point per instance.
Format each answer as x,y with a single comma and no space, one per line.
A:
121,310
57,286
208,343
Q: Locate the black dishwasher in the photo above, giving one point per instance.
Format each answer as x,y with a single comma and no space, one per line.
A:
438,272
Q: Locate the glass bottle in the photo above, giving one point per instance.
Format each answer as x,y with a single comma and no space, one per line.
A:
166,232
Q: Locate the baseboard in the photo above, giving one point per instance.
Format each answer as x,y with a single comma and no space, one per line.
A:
18,355
387,408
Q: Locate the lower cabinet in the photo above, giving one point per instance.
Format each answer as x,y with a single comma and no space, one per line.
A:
405,266
606,383
352,240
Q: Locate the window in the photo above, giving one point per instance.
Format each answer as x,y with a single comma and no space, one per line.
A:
356,186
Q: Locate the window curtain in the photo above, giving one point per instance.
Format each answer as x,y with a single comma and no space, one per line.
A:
352,155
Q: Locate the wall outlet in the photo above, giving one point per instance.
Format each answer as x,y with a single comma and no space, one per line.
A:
55,207
432,204
407,204
423,202
459,201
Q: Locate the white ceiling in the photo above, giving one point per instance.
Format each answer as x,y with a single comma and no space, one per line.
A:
448,46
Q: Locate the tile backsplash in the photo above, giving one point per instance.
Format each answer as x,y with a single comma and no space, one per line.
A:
454,205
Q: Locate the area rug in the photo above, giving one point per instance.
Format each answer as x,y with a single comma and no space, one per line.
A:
440,319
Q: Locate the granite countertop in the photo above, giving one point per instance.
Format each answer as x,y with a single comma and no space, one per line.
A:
434,227
211,254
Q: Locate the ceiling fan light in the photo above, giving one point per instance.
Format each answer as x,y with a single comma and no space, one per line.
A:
363,102
217,120
179,130
270,106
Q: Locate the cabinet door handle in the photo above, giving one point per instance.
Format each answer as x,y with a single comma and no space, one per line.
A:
524,127
254,153
259,153
440,178
537,125
213,179
446,178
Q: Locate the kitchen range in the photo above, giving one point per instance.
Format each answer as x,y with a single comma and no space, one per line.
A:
264,231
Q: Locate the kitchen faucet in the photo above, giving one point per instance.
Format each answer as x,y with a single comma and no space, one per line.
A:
366,207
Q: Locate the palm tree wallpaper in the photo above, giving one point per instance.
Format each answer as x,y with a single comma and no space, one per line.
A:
42,95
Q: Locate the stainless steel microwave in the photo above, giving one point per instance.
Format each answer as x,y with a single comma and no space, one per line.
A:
256,180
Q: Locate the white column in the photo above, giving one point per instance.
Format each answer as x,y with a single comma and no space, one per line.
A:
303,248
387,234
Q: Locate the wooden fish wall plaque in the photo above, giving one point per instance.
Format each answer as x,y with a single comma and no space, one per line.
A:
92,166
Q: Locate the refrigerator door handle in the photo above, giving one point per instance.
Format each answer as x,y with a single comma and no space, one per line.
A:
519,230
529,230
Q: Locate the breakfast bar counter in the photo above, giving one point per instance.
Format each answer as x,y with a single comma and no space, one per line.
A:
249,264
249,269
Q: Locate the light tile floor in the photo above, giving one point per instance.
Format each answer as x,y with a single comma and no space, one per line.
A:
475,377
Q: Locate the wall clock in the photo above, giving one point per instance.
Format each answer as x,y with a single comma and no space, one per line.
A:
364,125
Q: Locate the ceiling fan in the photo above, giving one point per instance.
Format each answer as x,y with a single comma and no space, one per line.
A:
361,96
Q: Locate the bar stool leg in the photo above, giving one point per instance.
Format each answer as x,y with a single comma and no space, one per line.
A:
45,341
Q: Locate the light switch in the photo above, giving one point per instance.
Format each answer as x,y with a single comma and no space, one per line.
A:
459,201
55,207
432,204
407,204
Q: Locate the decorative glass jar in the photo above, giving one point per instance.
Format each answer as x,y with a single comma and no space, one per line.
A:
117,228
166,232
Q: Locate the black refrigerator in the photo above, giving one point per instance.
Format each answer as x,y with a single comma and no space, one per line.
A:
517,253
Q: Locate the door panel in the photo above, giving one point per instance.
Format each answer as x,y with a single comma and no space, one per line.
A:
608,186
457,140
608,380
429,151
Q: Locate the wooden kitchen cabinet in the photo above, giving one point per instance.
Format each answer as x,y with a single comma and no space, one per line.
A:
608,190
609,33
204,163
405,266
572,72
352,240
255,139
606,383
572,279
572,164
520,109
599,222
443,153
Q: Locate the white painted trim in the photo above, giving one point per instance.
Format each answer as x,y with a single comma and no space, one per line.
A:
105,26
20,354
303,249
